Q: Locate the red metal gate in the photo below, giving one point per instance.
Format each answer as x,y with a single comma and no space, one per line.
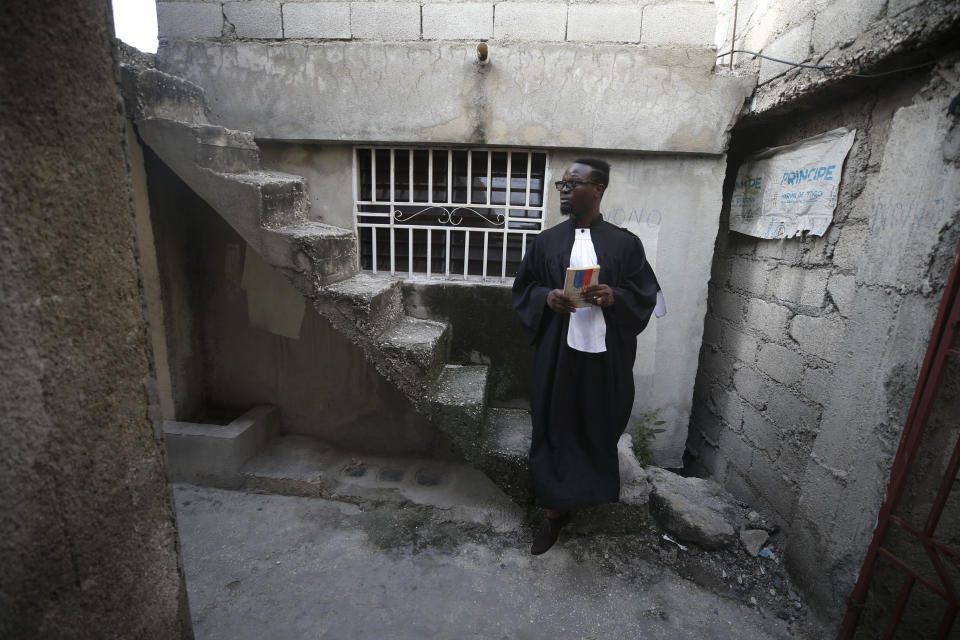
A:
943,345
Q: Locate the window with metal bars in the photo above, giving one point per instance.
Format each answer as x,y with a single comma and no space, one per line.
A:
452,212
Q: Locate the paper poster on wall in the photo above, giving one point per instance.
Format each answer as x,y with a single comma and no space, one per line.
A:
783,191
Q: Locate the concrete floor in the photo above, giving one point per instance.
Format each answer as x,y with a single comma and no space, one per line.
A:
272,566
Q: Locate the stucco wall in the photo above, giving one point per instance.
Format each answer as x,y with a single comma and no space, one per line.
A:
88,538
812,346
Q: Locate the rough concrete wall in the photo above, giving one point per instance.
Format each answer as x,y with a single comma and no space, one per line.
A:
597,75
254,339
179,291
88,539
812,346
924,609
851,36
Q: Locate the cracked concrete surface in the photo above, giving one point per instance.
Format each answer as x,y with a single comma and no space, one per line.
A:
285,567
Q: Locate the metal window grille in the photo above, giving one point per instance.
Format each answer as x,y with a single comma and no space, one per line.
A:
448,212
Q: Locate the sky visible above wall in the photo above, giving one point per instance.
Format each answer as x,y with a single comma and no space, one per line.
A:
135,22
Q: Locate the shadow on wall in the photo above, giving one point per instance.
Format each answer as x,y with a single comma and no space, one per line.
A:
239,335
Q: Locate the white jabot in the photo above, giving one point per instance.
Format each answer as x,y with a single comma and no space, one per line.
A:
588,330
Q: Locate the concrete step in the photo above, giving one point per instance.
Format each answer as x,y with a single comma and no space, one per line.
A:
305,466
281,196
417,348
207,146
248,200
505,451
458,407
212,454
363,303
226,150
150,93
312,254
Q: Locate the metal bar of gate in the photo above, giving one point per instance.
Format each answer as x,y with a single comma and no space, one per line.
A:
942,339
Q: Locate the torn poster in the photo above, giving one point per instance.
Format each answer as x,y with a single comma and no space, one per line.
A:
783,191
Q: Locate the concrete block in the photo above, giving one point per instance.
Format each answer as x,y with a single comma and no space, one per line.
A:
717,366
254,19
728,406
189,20
728,305
720,273
530,21
767,317
749,275
385,20
604,23
735,483
782,364
739,345
702,419
790,412
818,336
786,250
820,250
841,289
818,385
742,245
800,286
213,454
761,433
841,21
774,487
737,452
458,21
821,496
851,247
688,23
751,387
794,45
329,20
794,457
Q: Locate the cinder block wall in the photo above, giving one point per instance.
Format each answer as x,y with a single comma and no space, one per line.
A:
812,346
88,540
843,34
683,22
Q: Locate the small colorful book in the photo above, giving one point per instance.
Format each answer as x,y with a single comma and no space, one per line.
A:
578,278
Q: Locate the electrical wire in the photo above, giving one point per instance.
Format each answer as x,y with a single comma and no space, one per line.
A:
825,67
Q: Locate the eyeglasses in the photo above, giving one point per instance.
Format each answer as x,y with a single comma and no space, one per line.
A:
563,185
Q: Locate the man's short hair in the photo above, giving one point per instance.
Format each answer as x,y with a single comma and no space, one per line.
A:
599,169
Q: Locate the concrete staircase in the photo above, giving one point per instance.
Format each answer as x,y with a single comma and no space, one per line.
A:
270,211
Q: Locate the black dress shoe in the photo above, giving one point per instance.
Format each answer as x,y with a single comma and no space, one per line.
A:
548,533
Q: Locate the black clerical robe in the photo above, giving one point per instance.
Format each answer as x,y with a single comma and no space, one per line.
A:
581,402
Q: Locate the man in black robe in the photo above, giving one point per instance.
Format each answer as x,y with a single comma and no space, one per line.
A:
581,400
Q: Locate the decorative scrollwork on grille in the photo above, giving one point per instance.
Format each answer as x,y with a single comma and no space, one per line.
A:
449,216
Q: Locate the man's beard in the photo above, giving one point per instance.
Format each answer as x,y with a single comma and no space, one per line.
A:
566,210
